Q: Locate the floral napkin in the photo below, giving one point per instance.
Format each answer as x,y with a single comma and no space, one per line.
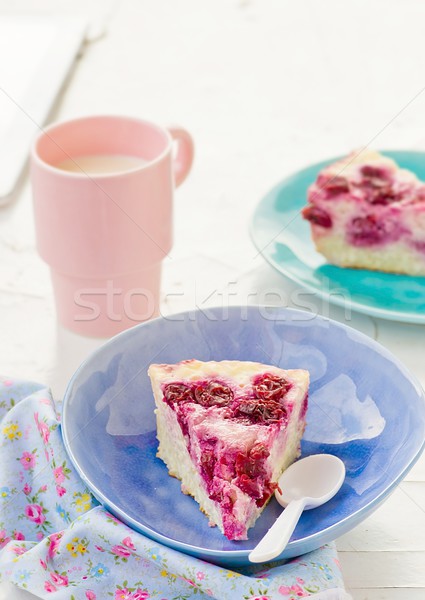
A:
56,541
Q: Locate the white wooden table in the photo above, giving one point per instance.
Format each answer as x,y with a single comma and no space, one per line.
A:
265,87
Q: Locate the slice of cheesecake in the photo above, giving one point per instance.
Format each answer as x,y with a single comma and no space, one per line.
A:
227,430
365,212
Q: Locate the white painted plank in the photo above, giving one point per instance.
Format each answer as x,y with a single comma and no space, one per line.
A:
418,471
393,526
383,569
388,594
406,341
416,491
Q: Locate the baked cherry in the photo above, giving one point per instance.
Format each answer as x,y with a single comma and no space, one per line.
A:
384,195
251,464
259,451
268,490
249,486
208,461
376,175
260,412
367,230
177,392
212,393
270,387
333,186
317,215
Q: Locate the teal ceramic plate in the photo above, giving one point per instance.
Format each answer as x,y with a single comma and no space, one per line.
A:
282,236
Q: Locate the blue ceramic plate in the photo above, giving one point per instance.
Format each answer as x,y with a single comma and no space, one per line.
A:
364,407
282,236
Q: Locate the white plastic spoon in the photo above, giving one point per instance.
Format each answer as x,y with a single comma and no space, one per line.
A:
307,483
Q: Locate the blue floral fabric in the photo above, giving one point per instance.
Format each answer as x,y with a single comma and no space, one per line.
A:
57,542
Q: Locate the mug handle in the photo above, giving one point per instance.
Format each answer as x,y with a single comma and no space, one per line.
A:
184,156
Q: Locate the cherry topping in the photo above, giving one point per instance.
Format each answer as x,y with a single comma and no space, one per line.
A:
262,412
333,186
374,172
378,185
213,393
177,392
317,215
270,387
264,406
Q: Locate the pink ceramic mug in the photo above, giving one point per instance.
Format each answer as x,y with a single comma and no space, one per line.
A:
104,235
